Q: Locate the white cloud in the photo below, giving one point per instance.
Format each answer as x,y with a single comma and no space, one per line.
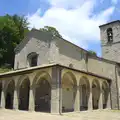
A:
114,2
66,3
78,25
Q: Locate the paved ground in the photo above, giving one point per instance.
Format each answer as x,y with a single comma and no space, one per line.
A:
95,115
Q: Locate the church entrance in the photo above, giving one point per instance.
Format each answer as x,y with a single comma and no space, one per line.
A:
9,95
24,95
43,96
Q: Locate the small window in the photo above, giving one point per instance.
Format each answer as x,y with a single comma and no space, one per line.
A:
32,59
110,34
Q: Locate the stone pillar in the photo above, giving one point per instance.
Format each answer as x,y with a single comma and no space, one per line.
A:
90,102
2,99
31,100
81,102
108,101
56,91
32,92
101,97
15,101
77,100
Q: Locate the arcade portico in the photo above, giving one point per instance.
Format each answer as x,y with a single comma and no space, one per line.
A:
54,88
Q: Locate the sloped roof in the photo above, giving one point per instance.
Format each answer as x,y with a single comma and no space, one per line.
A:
33,33
27,70
110,23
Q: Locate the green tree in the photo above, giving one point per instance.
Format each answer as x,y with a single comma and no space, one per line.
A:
22,25
91,52
12,31
52,30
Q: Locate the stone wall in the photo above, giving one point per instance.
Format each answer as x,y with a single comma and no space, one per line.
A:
70,54
38,42
111,52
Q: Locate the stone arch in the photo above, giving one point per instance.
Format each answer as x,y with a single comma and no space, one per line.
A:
84,90
21,79
69,84
105,92
95,93
9,94
42,92
23,93
39,75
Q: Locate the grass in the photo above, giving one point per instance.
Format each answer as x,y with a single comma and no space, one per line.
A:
3,70
115,110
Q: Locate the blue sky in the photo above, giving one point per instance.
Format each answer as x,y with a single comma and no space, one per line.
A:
22,7
76,20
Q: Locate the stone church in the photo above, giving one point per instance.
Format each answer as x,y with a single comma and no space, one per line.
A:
53,75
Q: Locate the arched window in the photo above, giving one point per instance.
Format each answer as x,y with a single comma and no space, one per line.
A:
110,34
32,59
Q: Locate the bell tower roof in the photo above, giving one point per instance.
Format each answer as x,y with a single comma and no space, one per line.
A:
116,21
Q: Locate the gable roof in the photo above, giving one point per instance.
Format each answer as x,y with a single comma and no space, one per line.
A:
33,33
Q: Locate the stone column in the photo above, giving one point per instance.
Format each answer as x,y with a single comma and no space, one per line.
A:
81,102
77,100
15,101
56,91
90,102
108,101
2,99
31,100
101,96
32,92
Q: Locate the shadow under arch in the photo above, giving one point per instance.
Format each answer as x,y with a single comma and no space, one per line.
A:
106,92
42,92
9,94
84,91
69,84
95,93
23,93
0,92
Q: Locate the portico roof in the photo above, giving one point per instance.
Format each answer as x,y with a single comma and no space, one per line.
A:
28,70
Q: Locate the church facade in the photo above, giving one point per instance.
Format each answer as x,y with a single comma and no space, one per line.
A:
53,75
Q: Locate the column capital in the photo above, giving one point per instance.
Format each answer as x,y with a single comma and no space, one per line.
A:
90,82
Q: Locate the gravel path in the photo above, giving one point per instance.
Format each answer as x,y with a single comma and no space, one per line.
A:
87,115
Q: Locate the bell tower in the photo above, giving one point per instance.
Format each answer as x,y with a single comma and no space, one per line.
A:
110,40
